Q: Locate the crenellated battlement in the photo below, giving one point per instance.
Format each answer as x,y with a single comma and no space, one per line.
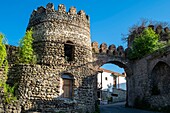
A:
48,13
109,50
54,31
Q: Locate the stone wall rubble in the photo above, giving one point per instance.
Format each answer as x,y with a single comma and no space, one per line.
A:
45,92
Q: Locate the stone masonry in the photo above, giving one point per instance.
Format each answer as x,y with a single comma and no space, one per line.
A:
54,32
64,51
62,44
52,29
149,82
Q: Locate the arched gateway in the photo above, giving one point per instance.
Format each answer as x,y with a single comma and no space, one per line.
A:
103,55
113,55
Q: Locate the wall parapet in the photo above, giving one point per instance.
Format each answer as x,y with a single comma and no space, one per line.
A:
49,13
109,50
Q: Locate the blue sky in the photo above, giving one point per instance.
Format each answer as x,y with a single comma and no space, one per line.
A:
109,18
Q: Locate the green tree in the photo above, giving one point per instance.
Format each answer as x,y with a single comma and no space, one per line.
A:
3,54
8,91
26,53
145,43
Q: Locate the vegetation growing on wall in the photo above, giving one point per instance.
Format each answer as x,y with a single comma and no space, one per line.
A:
145,43
8,90
2,49
3,54
26,53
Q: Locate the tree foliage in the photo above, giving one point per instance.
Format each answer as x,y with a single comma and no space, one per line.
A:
3,53
145,43
26,53
8,91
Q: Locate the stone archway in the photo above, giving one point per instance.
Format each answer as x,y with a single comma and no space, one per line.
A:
111,54
122,62
103,55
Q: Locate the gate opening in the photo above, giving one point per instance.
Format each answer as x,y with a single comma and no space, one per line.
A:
111,84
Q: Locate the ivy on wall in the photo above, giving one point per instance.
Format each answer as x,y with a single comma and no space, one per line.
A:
3,54
8,90
26,53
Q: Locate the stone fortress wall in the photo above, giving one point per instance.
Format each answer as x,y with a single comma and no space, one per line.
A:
40,85
40,88
149,86
147,78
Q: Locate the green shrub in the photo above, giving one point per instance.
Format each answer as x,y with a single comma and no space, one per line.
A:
1,83
145,43
3,54
9,92
26,53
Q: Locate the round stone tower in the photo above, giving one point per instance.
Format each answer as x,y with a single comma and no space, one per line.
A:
63,76
61,37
